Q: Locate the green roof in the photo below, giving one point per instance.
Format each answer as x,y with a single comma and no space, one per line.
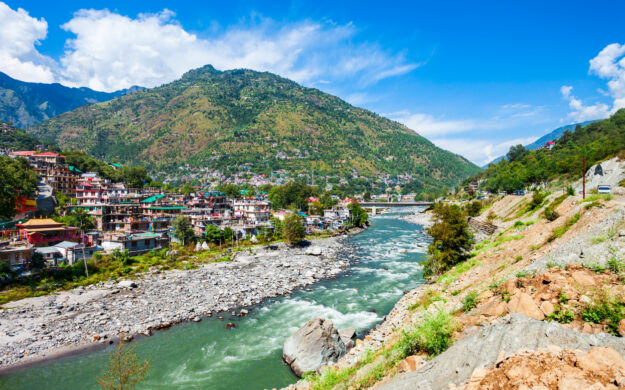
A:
74,169
144,235
153,198
167,208
116,165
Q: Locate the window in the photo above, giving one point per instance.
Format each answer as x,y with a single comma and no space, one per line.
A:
146,243
134,244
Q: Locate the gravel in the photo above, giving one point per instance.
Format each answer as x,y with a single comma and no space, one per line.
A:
34,328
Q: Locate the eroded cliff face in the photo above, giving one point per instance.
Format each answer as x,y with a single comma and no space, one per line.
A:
534,289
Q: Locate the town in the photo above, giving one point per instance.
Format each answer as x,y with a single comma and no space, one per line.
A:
109,217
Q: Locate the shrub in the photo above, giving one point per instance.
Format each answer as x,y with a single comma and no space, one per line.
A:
570,191
470,301
474,208
615,265
451,239
432,336
551,214
563,316
293,230
605,307
537,200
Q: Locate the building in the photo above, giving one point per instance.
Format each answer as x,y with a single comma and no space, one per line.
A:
135,244
252,211
47,232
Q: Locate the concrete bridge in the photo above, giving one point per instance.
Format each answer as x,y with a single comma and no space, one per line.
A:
384,205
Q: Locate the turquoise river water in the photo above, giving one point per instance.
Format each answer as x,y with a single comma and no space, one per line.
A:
205,355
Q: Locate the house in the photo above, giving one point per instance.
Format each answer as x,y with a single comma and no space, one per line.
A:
252,211
73,252
134,243
16,253
46,232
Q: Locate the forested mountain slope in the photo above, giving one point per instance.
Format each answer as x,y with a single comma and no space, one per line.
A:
223,120
597,141
25,104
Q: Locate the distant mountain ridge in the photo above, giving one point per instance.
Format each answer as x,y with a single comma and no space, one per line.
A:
25,104
542,141
242,119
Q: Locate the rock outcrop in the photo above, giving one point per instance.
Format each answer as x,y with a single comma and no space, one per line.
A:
316,344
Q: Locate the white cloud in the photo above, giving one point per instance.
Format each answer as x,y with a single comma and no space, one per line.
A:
581,112
112,51
19,33
480,152
609,65
427,125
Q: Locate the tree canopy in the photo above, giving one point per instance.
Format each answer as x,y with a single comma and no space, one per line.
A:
17,179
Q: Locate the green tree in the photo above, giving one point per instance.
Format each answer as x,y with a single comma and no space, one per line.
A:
17,179
183,230
367,196
359,216
81,219
187,189
214,234
474,208
124,370
276,224
37,261
135,177
293,230
516,152
451,239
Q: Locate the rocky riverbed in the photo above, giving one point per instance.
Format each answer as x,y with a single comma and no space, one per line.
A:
39,328
420,218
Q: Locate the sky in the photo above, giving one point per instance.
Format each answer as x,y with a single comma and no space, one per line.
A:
473,77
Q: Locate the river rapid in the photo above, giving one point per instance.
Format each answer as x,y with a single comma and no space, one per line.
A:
205,355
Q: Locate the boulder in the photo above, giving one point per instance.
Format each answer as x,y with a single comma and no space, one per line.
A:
411,363
347,336
523,304
127,284
583,278
314,251
314,345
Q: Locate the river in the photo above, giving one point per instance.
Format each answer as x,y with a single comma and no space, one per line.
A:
205,355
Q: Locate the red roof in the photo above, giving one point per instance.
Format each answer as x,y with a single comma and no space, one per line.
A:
51,154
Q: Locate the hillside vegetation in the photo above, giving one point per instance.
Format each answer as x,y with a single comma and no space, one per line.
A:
25,104
225,119
597,141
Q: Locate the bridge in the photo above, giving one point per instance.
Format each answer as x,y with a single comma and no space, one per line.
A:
384,205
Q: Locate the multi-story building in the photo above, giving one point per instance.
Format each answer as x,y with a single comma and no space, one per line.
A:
46,232
252,211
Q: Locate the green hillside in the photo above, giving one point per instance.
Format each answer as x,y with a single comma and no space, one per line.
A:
597,141
221,120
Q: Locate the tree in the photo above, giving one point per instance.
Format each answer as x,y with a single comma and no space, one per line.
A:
474,208
516,152
183,230
293,230
276,224
214,234
134,176
187,189
451,239
367,196
17,180
124,370
37,261
360,218
83,221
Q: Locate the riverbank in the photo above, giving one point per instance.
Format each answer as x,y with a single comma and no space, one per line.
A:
422,218
502,288
36,329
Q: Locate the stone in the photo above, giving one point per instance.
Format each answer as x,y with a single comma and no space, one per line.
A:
314,251
315,344
523,304
495,309
583,278
127,284
621,328
546,307
411,363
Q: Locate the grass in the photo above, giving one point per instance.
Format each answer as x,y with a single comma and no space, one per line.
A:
432,336
561,315
608,236
470,301
605,307
426,299
596,197
452,274
522,274
616,265
559,231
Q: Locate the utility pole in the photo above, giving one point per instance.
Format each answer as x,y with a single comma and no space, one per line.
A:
583,176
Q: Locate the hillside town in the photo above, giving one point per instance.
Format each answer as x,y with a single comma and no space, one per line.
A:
136,220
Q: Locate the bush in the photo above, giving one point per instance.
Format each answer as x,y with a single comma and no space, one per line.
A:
570,191
293,230
432,336
537,200
470,301
551,214
451,239
474,208
605,307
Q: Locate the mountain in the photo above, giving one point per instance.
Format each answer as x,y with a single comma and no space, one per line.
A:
539,143
598,141
242,119
12,138
25,104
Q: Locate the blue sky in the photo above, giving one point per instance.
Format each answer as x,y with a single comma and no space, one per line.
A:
474,77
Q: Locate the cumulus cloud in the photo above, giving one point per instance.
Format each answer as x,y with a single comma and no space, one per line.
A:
581,112
110,51
609,65
480,152
19,34
427,125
